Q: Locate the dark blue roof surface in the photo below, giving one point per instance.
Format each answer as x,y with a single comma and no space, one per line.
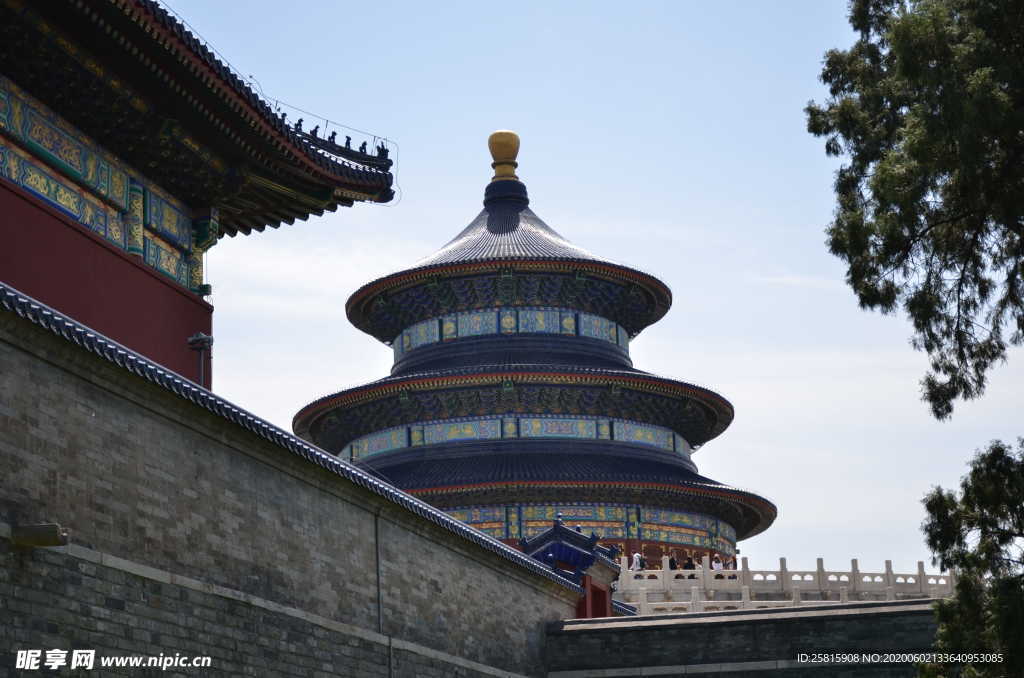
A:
529,238
420,468
506,232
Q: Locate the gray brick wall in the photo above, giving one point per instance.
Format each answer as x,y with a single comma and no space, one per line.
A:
51,600
747,643
139,473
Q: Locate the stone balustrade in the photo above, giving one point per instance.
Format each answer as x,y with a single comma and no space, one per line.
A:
667,591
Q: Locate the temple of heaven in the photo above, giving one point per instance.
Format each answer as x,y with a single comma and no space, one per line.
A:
513,397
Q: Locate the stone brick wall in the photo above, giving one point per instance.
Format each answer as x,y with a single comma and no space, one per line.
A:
190,532
742,643
53,600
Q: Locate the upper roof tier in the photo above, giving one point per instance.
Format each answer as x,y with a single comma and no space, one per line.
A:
506,239
500,233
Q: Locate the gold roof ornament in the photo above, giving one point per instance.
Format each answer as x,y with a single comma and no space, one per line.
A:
504,147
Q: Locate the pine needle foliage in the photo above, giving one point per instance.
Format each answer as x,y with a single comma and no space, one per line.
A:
927,110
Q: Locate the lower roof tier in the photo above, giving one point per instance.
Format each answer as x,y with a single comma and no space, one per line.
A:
567,471
334,421
628,527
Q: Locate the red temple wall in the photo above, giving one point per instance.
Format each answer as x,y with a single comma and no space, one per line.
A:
48,256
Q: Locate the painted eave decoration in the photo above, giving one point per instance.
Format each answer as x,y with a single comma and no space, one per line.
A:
133,77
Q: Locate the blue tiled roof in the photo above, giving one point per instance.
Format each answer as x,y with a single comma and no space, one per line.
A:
421,468
36,312
623,609
529,238
569,546
505,234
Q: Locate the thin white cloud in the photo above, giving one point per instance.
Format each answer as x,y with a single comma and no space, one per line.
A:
798,280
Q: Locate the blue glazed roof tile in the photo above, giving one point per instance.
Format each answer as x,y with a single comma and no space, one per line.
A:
529,238
507,231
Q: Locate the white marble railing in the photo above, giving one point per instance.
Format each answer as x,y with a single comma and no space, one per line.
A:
703,589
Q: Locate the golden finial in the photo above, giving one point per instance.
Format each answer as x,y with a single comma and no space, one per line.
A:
504,146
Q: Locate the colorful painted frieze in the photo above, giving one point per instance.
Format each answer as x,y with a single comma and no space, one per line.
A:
609,521
727,531
503,321
60,145
486,429
507,322
641,433
488,519
697,521
168,218
584,428
633,523
572,513
536,427
24,170
675,534
496,530
540,512
165,259
623,337
596,327
543,321
44,184
449,328
384,441
5,109
50,158
134,218
603,530
358,449
568,322
459,514
423,333
597,512
476,514
478,323
512,522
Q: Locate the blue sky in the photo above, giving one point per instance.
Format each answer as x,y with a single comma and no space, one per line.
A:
667,136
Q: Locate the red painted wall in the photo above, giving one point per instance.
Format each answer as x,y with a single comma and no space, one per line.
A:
596,600
50,257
